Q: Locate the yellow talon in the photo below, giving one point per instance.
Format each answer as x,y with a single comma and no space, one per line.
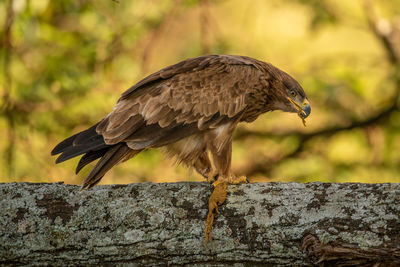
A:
211,176
239,180
218,182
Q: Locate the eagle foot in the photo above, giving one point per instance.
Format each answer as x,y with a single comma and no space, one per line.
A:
217,197
232,180
239,180
212,176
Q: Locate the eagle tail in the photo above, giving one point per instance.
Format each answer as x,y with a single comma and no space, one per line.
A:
111,157
92,145
84,142
89,157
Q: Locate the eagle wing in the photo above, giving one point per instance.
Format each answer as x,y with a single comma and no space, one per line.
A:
183,99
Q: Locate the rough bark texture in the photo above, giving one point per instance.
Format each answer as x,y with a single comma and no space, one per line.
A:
266,224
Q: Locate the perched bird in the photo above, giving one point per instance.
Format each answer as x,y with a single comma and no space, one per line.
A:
191,108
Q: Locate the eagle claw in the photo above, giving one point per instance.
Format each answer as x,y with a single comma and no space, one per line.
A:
212,177
239,180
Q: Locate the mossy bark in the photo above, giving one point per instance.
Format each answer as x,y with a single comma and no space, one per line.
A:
277,224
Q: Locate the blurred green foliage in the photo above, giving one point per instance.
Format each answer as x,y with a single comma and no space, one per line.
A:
65,63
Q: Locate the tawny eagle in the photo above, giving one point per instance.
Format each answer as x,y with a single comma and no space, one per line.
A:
191,108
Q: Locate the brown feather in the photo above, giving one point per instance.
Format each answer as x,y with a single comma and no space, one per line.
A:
124,130
112,157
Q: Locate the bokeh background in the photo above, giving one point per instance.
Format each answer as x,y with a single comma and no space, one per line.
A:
64,64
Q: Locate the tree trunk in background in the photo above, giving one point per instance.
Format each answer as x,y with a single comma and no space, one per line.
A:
277,224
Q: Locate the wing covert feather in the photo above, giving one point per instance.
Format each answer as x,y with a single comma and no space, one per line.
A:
193,91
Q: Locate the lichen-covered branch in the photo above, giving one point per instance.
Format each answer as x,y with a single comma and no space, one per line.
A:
163,224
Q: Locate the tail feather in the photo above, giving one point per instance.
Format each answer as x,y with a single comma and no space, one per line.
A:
89,157
80,143
73,151
63,145
93,146
113,156
75,140
86,136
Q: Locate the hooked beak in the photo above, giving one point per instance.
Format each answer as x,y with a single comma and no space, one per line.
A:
304,109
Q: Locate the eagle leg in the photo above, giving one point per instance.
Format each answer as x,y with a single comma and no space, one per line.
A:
221,150
203,166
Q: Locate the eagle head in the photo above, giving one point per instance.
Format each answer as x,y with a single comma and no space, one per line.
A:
292,97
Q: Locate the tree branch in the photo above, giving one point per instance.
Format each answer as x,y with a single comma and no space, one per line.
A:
387,33
163,224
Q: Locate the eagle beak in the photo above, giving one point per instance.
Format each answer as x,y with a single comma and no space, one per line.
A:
304,109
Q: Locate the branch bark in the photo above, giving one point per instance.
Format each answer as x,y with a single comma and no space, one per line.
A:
163,224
